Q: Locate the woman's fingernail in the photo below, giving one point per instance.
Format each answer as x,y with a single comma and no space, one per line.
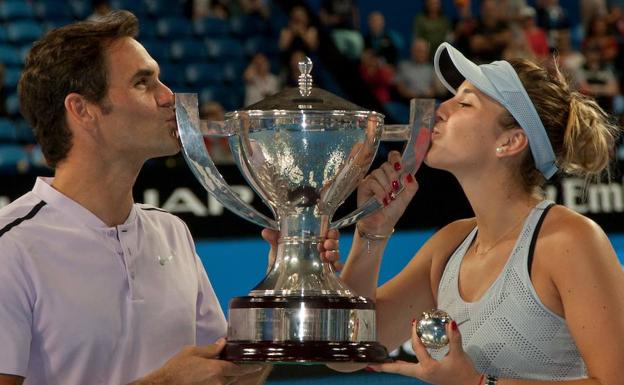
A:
413,321
453,325
410,178
395,185
385,201
397,166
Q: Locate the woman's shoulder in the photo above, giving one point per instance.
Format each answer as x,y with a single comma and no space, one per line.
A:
444,242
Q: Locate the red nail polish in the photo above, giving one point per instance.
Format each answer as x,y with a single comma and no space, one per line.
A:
395,185
453,325
409,178
413,321
397,166
385,201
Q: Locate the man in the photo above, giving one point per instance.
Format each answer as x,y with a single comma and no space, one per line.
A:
95,289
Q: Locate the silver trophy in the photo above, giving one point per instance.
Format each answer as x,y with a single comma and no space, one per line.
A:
303,151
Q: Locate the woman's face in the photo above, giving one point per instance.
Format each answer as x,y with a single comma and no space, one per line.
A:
465,133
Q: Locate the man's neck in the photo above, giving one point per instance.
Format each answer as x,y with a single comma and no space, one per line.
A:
106,192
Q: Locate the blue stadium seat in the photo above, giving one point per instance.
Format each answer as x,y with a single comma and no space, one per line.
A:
52,12
147,29
3,34
36,157
262,44
174,28
24,133
211,27
7,131
173,76
23,31
188,50
10,56
12,105
11,77
133,6
16,10
13,159
204,73
79,8
157,49
231,98
224,49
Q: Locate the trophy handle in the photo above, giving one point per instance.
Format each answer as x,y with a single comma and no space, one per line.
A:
418,136
202,166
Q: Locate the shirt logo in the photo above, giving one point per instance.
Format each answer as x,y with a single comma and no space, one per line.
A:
164,259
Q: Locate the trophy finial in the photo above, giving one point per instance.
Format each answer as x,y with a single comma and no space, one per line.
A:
305,79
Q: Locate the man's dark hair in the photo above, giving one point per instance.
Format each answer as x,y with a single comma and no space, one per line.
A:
68,59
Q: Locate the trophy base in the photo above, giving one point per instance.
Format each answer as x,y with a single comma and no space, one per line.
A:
302,329
305,352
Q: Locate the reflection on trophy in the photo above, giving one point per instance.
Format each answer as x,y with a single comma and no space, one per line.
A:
303,151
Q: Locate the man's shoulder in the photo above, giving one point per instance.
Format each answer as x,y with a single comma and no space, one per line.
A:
23,209
157,214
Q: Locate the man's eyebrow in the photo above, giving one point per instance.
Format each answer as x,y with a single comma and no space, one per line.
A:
144,72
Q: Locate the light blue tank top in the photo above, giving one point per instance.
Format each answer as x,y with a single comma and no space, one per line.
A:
510,333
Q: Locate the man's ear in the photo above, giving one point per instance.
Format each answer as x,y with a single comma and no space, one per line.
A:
79,110
512,142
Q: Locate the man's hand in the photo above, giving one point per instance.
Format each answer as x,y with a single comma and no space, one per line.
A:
195,365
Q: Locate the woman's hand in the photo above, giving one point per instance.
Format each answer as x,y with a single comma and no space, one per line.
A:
384,183
456,368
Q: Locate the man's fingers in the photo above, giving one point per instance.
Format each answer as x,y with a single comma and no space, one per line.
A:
209,351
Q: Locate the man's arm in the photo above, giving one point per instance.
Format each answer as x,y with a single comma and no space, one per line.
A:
8,379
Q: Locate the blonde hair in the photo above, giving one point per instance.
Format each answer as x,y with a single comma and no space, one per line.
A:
581,133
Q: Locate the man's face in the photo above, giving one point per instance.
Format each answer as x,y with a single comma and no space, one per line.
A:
137,121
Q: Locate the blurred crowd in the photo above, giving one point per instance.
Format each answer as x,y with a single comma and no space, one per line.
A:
393,65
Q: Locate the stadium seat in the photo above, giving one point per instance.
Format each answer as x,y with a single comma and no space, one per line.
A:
211,27
11,77
12,105
224,49
204,73
23,31
52,12
13,159
174,28
24,133
16,10
188,50
7,131
157,49
10,56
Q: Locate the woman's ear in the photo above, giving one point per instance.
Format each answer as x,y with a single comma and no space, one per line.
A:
512,142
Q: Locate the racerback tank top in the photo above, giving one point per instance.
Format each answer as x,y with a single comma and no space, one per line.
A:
509,332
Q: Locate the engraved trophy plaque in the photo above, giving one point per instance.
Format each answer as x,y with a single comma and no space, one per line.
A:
303,151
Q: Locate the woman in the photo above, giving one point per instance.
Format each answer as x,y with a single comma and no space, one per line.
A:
537,287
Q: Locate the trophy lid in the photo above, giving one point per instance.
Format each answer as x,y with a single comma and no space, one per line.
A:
305,97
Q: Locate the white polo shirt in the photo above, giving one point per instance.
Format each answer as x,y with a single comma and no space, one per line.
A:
84,303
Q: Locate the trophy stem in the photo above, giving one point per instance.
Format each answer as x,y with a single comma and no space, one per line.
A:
298,269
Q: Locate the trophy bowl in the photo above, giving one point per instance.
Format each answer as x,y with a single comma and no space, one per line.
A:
303,151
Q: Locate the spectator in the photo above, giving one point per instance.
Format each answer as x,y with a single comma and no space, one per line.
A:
551,17
298,34
341,18
218,148
491,34
259,81
598,80
386,43
415,78
570,60
377,75
431,24
599,37
101,8
535,36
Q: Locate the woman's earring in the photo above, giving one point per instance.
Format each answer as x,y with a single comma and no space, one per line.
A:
499,150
